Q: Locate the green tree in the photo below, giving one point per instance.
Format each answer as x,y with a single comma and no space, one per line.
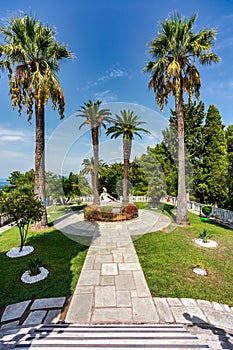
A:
156,184
71,186
54,188
175,52
34,56
22,207
215,158
126,125
17,179
95,117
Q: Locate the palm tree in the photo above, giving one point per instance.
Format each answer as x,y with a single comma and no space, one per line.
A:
96,118
88,169
175,52
34,54
127,125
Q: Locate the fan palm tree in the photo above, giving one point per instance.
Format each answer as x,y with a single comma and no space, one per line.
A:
96,118
173,70
34,56
88,169
127,125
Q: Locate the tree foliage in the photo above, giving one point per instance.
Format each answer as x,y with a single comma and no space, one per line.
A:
22,207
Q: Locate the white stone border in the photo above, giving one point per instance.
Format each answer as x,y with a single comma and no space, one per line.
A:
200,271
27,278
15,253
209,244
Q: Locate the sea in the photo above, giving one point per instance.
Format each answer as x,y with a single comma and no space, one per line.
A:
3,182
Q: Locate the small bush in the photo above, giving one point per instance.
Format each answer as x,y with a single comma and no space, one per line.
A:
206,210
205,236
106,209
34,265
130,208
200,263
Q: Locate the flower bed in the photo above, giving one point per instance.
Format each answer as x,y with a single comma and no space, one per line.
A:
120,213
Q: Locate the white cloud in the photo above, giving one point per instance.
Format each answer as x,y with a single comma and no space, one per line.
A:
114,72
105,96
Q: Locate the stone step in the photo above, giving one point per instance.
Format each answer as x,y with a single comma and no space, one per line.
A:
101,337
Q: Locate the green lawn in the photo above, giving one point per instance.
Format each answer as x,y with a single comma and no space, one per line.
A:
167,260
63,258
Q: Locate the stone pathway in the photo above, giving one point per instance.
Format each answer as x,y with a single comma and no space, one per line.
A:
112,287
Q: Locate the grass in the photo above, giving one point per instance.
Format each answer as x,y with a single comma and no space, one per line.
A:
63,258
167,260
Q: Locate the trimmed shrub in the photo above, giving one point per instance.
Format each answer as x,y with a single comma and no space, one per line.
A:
206,210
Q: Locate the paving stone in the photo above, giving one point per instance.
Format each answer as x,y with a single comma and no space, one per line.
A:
84,289
123,298
97,266
107,280
188,302
219,318
112,315
163,310
35,317
91,278
174,302
53,316
203,303
80,309
48,303
129,266
226,307
10,325
217,306
105,296
117,257
130,258
89,262
109,269
144,310
124,282
14,311
188,314
140,284
103,258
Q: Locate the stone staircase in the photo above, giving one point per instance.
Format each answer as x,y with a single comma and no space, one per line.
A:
66,336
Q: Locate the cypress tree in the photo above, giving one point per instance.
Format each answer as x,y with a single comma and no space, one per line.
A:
215,158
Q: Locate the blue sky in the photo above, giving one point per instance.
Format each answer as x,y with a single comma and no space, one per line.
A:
109,39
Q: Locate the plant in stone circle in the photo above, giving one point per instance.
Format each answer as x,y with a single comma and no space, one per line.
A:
34,265
200,263
205,236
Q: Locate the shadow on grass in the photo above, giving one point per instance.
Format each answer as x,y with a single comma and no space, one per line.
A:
63,258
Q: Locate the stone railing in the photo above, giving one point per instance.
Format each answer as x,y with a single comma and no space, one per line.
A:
3,220
218,214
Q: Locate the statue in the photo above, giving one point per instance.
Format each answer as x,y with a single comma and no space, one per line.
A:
105,196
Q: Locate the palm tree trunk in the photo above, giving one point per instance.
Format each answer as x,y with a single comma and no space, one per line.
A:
182,207
127,144
95,142
39,186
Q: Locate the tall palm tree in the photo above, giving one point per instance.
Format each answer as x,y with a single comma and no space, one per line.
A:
127,125
34,56
96,118
175,52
